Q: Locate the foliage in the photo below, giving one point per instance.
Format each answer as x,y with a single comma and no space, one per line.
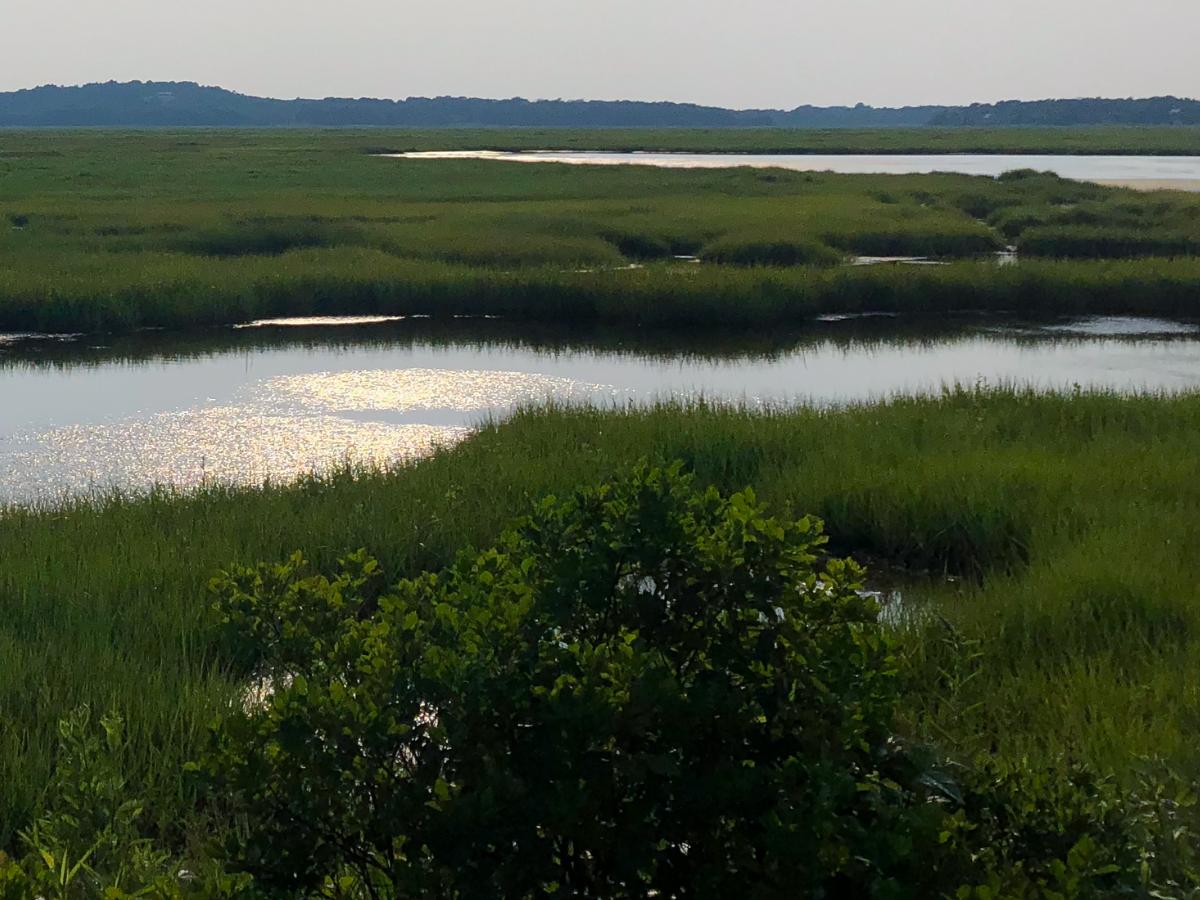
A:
1034,504
90,839
86,841
644,688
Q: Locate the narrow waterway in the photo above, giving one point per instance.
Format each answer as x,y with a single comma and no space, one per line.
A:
279,401
1158,171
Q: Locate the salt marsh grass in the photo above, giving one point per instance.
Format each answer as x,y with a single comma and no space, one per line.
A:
111,231
1066,521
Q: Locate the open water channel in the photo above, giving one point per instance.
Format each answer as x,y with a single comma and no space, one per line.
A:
1179,172
78,415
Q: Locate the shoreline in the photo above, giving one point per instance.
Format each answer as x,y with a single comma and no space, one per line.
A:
1191,185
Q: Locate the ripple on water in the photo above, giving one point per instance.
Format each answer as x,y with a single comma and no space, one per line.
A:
196,447
416,389
1115,326
279,429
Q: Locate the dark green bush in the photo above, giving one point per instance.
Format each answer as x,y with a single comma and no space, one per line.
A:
1013,221
646,688
981,206
1014,175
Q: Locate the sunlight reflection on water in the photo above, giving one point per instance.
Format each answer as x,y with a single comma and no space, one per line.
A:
235,408
283,427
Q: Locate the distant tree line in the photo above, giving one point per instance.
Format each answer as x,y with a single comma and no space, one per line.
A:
1095,111
148,103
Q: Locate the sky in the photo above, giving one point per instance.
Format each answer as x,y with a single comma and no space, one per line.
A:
744,54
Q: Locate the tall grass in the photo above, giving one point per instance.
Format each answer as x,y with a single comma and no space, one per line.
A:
174,291
1068,521
124,231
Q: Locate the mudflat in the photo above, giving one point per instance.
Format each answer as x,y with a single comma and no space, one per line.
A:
1153,184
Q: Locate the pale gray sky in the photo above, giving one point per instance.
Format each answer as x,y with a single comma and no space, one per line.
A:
753,53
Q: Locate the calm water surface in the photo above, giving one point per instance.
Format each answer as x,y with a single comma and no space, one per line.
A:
278,402
1082,168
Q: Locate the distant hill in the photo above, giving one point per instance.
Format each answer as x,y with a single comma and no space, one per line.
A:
176,103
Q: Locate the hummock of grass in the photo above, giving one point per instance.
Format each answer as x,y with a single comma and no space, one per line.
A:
1069,523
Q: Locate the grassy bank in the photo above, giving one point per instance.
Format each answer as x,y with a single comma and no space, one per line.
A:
1081,141
1085,141
175,229
171,295
1069,522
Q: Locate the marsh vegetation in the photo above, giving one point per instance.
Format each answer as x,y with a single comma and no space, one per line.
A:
1046,543
1057,531
123,231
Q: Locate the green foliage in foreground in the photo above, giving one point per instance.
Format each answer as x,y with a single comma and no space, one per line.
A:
1074,624
642,689
119,231
646,690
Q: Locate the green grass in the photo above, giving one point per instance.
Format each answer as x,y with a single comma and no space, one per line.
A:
111,230
1091,140
1069,521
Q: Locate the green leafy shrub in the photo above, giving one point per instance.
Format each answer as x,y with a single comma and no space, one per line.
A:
1066,833
644,688
86,842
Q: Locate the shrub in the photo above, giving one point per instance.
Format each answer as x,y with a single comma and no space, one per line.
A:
86,842
645,688
981,206
1013,175
1012,221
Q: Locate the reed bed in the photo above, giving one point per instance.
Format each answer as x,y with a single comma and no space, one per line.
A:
1048,542
115,231
1081,140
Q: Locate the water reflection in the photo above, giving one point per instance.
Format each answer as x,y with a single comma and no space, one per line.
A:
851,332
1083,168
226,444
276,402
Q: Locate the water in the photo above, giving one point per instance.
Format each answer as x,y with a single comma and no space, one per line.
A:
1082,168
276,402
